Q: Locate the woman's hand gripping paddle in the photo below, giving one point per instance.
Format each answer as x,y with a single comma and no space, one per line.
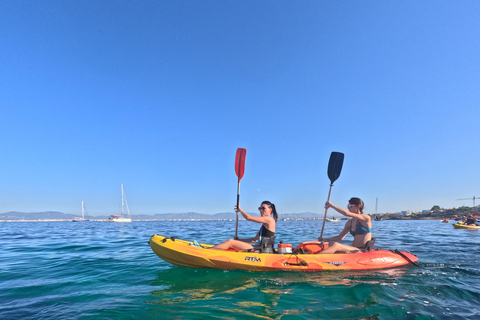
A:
334,168
239,170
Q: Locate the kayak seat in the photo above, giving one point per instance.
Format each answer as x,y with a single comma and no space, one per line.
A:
267,245
368,245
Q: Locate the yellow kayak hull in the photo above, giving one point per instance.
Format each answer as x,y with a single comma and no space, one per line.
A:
181,253
463,226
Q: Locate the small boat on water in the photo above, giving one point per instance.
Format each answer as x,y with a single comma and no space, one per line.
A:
121,218
81,219
378,218
461,225
333,219
303,258
445,220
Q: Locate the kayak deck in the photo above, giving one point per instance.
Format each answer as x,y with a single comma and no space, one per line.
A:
181,253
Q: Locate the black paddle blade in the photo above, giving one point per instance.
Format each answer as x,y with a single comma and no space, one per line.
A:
335,166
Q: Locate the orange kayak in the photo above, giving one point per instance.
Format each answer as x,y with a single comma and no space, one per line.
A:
183,253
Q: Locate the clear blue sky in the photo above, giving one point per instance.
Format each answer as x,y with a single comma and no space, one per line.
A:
158,95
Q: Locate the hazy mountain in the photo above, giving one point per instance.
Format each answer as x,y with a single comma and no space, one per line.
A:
13,215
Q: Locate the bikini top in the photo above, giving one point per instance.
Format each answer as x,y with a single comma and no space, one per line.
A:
360,229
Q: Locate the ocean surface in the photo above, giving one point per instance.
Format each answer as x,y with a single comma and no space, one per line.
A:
101,270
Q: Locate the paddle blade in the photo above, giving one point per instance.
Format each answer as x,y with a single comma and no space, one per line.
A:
240,163
335,166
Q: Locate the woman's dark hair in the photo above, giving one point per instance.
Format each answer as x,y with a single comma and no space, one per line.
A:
358,202
274,211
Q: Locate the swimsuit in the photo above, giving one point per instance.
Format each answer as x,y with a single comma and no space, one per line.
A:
360,229
265,233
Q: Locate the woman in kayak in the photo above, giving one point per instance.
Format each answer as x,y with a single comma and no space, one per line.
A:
360,227
471,221
268,218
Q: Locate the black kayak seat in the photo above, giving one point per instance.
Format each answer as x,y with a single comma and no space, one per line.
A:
368,245
267,245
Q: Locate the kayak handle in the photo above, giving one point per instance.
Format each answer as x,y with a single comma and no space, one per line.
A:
302,262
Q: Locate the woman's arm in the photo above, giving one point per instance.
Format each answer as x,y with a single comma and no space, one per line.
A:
361,217
257,237
342,234
248,217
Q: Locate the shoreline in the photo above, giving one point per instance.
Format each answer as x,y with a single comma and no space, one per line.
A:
154,220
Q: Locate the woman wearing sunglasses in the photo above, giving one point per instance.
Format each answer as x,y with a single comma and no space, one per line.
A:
268,218
360,227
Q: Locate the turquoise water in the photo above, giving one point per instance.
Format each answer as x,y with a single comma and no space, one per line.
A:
100,270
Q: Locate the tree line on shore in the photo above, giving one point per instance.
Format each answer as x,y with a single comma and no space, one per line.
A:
436,212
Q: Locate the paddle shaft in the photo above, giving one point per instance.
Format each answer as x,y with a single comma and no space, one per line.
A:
326,209
238,202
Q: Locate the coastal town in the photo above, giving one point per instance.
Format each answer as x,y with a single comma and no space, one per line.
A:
435,213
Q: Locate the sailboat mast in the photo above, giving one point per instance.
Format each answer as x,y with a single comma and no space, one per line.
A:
122,200
376,206
82,210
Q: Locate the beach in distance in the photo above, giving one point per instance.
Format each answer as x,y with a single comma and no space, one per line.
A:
66,270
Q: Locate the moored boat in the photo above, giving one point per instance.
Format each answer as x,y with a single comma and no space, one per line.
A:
445,220
183,253
333,219
121,218
82,218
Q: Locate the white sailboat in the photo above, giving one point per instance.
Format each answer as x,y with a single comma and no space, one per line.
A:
82,219
121,218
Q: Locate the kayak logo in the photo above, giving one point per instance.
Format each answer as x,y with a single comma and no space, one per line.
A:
253,259
337,263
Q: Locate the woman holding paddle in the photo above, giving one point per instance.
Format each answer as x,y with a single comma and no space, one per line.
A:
360,227
268,218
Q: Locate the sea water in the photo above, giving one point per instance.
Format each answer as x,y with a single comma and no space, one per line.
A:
101,270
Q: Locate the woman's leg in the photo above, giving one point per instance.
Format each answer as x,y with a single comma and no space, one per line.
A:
338,247
230,243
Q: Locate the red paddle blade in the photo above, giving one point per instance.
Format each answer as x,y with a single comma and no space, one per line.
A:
240,163
475,214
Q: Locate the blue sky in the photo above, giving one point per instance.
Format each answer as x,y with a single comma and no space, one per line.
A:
158,95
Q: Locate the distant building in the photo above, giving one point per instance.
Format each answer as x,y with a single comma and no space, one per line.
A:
405,213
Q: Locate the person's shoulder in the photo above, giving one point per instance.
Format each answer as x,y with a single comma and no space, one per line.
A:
366,217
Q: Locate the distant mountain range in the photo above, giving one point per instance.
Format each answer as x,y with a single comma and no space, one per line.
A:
13,215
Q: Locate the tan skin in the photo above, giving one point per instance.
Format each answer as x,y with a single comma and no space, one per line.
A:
243,244
357,218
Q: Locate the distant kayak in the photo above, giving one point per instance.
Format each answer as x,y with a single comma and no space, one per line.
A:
461,225
185,253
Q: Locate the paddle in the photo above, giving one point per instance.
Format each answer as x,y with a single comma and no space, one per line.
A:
239,170
334,168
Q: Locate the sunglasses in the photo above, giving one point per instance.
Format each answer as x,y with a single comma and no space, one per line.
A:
350,205
262,208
